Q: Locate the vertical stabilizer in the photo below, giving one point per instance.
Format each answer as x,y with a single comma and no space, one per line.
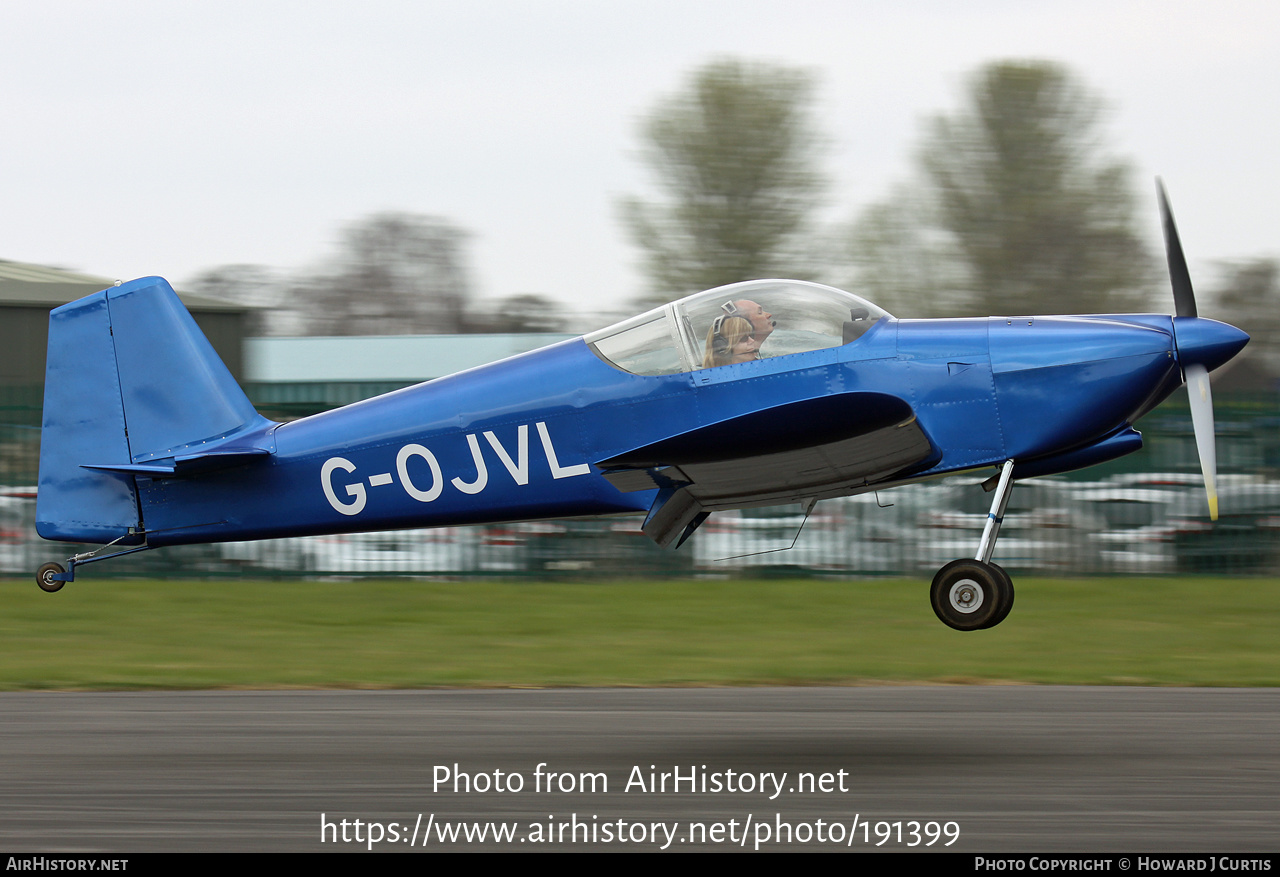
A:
178,394
131,385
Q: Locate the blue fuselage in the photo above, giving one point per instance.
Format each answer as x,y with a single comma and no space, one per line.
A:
518,439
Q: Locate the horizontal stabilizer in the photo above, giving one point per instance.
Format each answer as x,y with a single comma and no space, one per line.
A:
187,464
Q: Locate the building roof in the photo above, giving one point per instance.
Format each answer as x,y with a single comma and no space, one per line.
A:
43,286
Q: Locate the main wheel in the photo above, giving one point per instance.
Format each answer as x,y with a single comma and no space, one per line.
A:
970,594
45,577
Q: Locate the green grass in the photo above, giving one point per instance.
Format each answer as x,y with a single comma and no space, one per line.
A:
109,634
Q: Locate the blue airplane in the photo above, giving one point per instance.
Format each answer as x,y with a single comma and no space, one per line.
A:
759,393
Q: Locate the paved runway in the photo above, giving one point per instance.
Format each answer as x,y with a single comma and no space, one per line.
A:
1003,769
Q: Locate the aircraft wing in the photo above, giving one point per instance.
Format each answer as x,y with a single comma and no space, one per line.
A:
811,449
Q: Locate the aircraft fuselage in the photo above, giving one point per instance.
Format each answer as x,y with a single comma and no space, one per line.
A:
518,439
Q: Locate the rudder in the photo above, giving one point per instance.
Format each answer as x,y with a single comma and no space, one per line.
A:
83,420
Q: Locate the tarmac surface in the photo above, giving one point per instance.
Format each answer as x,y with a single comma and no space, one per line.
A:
972,769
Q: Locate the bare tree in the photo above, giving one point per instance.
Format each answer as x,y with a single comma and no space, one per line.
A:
256,287
395,274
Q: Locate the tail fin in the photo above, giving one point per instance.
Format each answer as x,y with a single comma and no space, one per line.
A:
132,389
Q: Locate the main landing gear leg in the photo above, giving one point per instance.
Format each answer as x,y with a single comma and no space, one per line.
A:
977,594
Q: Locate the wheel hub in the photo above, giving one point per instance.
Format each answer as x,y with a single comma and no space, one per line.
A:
966,596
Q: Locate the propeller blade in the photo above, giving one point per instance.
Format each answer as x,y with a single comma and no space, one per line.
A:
1202,419
1184,299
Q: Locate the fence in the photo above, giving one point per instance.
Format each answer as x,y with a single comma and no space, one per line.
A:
1144,514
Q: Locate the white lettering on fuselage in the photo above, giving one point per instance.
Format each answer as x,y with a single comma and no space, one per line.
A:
355,491
426,489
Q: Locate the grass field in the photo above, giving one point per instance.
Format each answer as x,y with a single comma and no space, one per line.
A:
110,634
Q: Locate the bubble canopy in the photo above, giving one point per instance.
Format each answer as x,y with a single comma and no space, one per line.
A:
676,337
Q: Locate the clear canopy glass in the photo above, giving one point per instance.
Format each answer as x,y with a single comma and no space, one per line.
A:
688,334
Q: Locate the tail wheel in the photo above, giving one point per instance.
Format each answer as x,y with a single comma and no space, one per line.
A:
45,577
971,595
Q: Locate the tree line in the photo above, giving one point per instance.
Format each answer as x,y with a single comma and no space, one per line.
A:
392,274
1015,205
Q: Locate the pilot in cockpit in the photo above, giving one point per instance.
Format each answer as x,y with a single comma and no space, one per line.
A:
762,322
736,335
730,340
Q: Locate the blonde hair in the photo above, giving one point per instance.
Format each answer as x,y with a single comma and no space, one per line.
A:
720,344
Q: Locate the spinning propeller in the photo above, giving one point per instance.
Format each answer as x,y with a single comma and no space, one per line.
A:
1202,345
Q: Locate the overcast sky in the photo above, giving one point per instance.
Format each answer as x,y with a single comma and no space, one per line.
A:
145,137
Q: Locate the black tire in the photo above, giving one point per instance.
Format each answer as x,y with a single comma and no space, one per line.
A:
44,577
1006,605
969,594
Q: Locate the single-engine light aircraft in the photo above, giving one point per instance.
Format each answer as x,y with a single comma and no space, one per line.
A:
759,393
